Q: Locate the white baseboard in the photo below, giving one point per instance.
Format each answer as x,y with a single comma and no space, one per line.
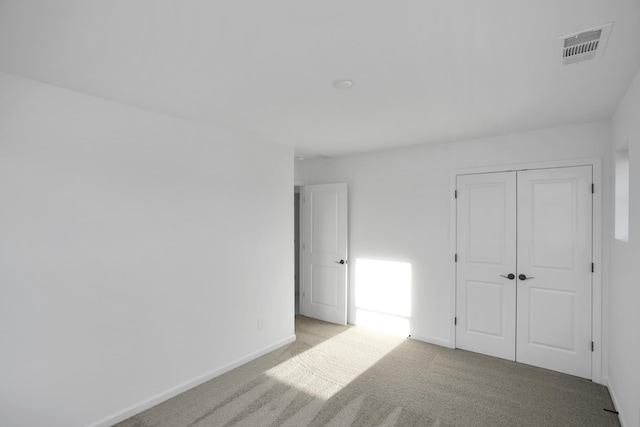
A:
612,392
602,380
174,391
441,343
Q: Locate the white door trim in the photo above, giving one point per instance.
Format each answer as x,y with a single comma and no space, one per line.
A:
596,300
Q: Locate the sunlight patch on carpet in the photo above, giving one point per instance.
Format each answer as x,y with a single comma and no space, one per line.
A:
324,370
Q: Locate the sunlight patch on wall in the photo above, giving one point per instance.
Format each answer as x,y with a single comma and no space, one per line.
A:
383,295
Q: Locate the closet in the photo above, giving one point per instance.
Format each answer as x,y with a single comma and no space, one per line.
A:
524,266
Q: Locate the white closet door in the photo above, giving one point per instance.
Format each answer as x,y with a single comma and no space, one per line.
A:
486,241
554,254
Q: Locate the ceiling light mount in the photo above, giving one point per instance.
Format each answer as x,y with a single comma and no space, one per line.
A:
343,84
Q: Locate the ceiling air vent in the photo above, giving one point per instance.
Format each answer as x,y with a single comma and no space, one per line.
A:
585,45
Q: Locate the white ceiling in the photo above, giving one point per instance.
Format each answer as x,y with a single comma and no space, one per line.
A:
425,71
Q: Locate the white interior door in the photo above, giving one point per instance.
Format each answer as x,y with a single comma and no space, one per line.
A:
324,253
486,299
536,225
554,255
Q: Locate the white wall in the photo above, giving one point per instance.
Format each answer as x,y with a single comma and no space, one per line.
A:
624,358
137,253
399,207
298,170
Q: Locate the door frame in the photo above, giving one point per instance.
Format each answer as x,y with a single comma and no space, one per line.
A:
301,184
596,297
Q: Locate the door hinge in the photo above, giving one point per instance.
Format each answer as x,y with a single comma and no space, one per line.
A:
455,194
455,320
593,188
593,268
455,258
591,345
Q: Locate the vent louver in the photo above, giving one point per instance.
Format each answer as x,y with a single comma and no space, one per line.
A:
585,45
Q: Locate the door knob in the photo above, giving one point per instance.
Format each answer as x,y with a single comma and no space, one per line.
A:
341,262
523,277
511,276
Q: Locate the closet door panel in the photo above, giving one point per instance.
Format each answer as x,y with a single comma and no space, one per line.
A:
486,245
554,259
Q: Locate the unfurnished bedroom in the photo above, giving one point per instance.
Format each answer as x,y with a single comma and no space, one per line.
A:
337,213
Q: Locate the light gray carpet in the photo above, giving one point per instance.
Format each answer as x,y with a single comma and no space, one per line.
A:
352,376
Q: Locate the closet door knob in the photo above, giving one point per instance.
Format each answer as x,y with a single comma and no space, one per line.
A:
523,277
511,276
